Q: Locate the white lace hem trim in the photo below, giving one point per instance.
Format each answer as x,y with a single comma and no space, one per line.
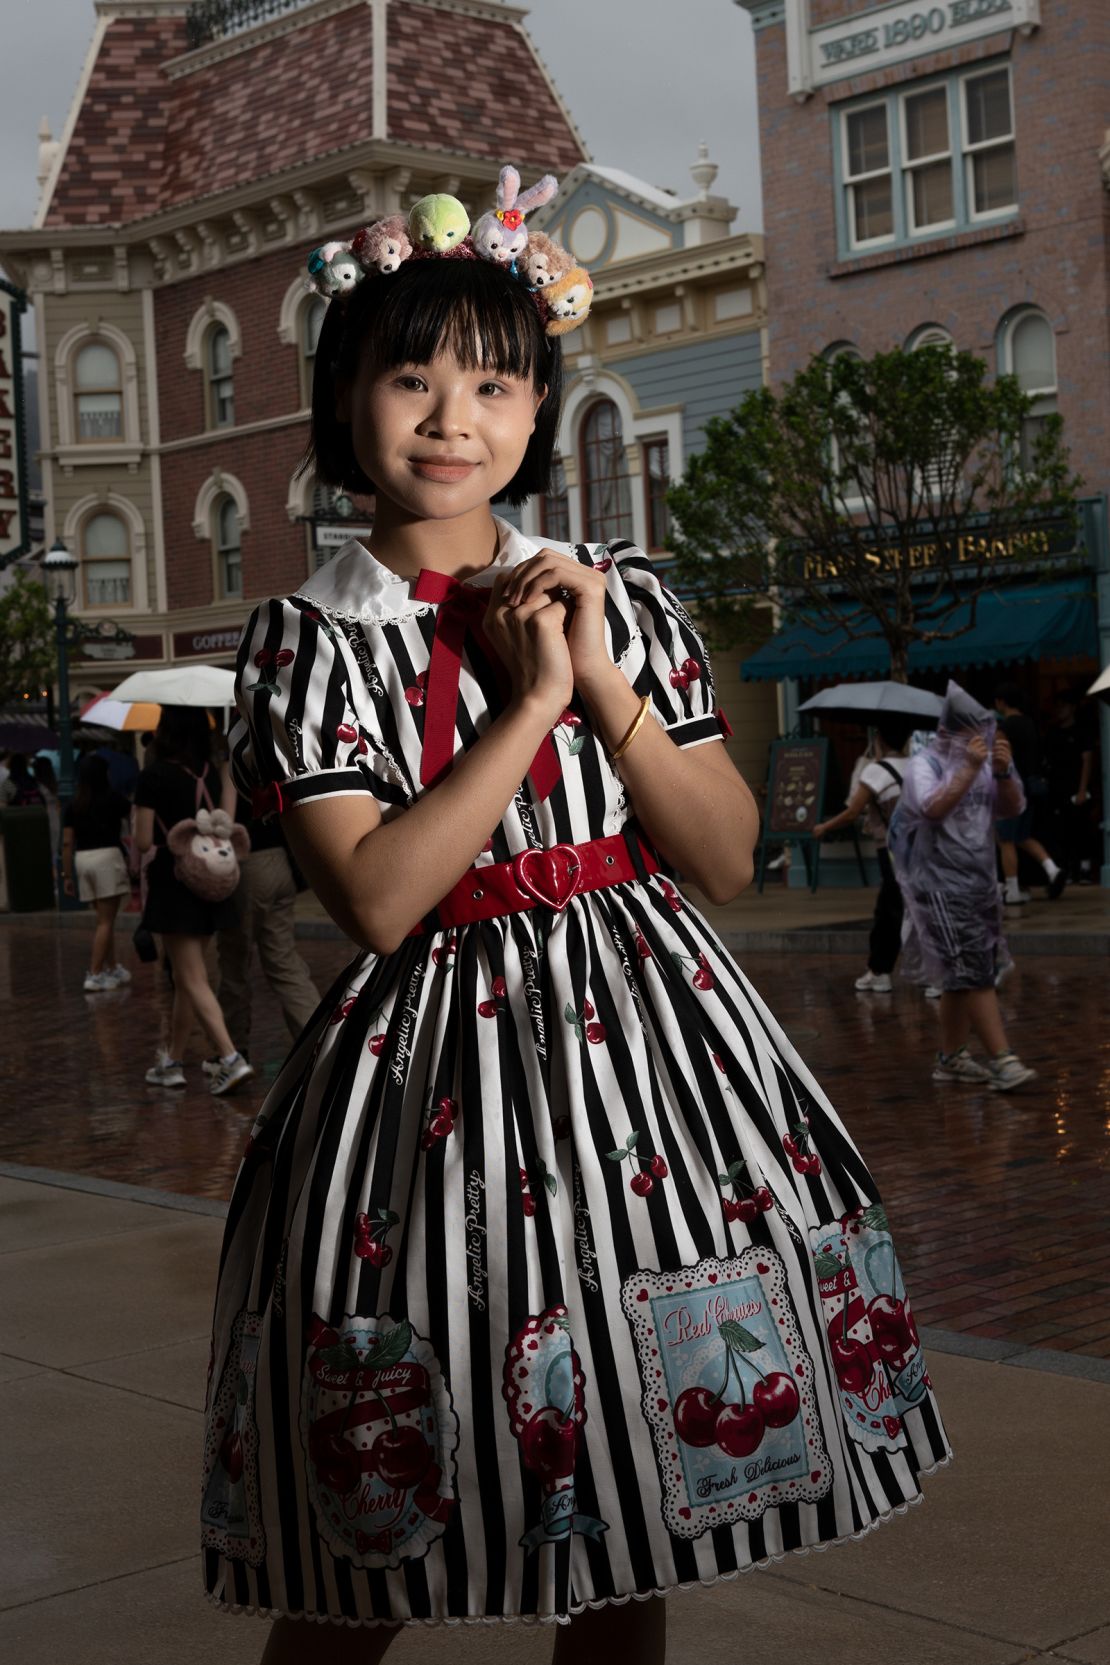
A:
603,1601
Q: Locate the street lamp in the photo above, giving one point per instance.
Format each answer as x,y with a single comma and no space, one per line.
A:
60,572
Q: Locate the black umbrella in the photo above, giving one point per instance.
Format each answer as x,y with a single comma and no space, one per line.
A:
28,735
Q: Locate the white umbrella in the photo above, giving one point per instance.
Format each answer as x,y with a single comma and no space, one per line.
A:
180,685
1102,685
867,700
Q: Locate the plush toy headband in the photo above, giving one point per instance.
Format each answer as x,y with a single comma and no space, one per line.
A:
438,227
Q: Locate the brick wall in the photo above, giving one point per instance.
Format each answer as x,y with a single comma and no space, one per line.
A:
1057,260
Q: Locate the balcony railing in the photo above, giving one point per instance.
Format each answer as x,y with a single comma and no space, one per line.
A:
209,20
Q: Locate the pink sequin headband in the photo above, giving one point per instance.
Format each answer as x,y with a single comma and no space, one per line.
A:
438,227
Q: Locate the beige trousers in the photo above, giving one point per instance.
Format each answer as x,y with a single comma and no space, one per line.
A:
265,900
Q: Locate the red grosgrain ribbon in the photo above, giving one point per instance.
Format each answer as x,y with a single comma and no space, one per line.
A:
462,609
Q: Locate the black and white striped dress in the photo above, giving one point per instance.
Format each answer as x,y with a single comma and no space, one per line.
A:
551,1277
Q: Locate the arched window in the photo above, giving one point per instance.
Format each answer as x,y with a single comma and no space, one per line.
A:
229,558
312,319
221,387
555,506
1029,353
849,489
930,335
98,394
607,500
106,561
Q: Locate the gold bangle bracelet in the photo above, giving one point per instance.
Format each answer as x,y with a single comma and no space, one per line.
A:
637,721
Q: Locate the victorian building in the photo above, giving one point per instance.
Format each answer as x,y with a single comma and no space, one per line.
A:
938,174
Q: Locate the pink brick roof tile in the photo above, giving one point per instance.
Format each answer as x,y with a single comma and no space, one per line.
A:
144,142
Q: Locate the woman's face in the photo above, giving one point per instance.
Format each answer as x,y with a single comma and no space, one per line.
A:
439,439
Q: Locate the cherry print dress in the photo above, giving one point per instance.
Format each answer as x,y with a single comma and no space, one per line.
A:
551,1277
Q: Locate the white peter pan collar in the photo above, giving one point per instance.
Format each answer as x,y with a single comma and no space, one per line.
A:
355,585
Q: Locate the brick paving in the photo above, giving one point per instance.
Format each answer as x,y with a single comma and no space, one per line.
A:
999,1202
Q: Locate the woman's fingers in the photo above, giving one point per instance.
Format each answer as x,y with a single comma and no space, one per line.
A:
550,571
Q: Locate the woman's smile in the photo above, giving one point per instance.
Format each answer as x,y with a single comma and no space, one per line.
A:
445,469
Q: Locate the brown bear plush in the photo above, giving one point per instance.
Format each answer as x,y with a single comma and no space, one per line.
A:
206,853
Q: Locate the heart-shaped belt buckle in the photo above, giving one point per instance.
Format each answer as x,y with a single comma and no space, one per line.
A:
549,876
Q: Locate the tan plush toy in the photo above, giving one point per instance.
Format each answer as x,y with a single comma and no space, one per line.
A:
543,261
206,853
382,247
569,300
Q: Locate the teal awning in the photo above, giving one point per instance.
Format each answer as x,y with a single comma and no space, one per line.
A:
1036,621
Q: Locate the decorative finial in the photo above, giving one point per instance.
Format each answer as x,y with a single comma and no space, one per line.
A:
704,172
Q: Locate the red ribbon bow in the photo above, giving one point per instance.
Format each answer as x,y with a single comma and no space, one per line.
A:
462,609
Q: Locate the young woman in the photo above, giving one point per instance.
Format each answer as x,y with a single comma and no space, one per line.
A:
182,779
94,868
877,790
535,1294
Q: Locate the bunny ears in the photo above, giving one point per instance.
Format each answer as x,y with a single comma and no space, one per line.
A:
438,226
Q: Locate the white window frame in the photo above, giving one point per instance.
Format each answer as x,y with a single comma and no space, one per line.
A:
849,182
969,151
908,168
1008,367
72,532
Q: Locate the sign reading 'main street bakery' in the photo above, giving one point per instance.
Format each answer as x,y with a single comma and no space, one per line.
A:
885,35
14,530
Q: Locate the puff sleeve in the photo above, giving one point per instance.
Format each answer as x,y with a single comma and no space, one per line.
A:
302,731
665,655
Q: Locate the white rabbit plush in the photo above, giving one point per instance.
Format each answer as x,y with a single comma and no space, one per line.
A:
501,235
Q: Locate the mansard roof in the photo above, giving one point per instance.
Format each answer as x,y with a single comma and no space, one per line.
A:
159,124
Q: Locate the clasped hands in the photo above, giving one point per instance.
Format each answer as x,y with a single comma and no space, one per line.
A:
546,618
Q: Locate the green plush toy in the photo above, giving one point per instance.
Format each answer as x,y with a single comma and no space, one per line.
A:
438,222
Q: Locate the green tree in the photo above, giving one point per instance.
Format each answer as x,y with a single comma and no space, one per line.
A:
877,497
27,657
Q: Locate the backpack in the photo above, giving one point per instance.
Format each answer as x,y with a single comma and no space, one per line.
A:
206,848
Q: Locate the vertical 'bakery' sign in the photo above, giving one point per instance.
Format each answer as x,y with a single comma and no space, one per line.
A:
14,531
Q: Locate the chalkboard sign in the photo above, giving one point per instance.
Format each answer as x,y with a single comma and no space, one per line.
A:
795,795
796,787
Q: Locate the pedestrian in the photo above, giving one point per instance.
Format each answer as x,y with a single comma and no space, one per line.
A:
534,1295
942,843
94,867
1072,756
264,906
43,771
20,790
875,796
181,780
1016,832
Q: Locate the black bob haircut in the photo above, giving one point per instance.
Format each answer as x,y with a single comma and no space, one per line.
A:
478,311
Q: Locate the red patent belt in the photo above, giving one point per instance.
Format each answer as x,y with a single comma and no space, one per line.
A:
541,878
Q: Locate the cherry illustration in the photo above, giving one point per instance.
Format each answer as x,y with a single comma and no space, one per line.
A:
813,1163
548,1441
498,988
789,1144
487,1008
800,1164
679,679
335,1460
777,1399
344,1009
528,1203
747,1209
414,695
376,1045
695,1416
587,1009
378,1254
346,732
642,1184
716,1056
851,1362
763,1199
658,1167
231,1455
739,1429
524,1179
595,1033
703,979
642,946
401,1456
691,670
731,1208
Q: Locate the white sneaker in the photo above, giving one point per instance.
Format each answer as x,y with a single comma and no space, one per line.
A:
120,974
167,1072
231,1075
211,1067
877,981
932,992
960,1066
98,982
1015,898
1007,1072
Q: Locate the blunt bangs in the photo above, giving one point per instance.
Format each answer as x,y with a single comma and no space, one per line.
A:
472,309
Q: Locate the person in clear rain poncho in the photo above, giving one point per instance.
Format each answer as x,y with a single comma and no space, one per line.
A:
942,845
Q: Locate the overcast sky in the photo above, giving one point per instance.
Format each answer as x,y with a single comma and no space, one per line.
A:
644,82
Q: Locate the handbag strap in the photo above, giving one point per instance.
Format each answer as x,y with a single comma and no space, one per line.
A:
201,792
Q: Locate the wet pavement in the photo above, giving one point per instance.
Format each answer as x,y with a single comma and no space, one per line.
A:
998,1201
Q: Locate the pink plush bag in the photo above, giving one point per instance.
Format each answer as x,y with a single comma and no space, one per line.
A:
206,848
